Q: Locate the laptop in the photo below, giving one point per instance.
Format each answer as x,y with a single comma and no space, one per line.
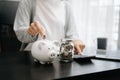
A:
85,56
99,54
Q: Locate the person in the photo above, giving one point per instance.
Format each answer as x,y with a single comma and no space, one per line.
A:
50,19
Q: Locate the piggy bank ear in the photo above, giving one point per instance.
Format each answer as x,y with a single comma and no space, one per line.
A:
40,45
57,43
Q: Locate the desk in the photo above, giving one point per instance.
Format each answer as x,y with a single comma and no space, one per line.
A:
19,66
108,55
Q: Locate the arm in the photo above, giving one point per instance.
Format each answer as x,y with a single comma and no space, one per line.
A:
22,21
71,30
70,27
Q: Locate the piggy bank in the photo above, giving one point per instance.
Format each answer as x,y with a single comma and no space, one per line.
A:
45,51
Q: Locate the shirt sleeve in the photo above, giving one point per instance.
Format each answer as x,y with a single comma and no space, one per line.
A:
70,26
22,22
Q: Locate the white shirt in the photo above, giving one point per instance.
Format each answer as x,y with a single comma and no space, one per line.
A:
51,15
55,16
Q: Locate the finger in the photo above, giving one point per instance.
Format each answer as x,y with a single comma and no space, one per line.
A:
29,32
43,32
75,51
33,28
40,28
32,32
82,47
78,49
44,36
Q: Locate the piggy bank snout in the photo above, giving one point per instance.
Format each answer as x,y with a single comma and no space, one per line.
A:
54,54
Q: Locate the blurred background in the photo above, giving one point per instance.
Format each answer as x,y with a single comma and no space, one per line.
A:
98,22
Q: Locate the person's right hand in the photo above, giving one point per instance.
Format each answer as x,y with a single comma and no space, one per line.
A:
36,28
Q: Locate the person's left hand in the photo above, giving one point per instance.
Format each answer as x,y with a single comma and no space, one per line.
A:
78,46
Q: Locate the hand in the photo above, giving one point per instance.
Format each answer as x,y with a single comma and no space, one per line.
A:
78,46
36,28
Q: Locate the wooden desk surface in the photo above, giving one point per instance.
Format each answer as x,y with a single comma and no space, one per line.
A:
19,66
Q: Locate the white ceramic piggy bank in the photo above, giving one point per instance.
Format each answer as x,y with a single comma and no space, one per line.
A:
45,51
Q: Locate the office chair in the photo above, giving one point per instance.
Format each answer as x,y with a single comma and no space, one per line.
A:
8,39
